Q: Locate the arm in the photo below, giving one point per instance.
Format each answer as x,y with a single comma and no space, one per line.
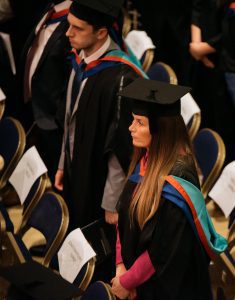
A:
169,254
113,188
124,285
196,49
200,49
140,271
117,288
196,36
60,172
118,248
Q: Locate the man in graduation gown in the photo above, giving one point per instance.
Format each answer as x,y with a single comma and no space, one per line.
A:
96,147
44,71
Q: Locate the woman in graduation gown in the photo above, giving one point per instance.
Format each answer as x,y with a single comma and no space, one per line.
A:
164,244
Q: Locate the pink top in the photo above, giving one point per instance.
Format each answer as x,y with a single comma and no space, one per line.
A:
118,248
141,270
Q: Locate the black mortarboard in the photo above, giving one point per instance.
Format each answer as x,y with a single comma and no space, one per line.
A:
154,99
35,281
96,12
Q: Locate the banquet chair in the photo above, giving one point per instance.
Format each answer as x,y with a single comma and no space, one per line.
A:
12,248
162,72
222,271
209,150
142,47
50,219
99,291
18,213
85,274
12,146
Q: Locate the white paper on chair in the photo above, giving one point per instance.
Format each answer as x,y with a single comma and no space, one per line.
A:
7,42
139,42
73,254
189,107
28,170
2,95
223,192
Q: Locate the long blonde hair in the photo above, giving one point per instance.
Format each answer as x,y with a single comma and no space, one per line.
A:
170,138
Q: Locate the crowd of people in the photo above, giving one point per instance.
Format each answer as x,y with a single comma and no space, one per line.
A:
85,103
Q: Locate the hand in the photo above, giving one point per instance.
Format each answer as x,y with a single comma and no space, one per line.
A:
111,217
207,62
118,290
200,50
132,295
120,269
196,50
59,180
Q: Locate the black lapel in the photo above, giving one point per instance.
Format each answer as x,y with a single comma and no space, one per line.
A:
59,31
30,39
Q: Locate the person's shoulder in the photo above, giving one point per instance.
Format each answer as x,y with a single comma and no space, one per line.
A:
185,168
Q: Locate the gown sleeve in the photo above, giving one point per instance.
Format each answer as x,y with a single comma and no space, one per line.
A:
168,254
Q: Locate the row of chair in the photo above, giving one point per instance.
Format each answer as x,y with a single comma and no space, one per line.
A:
36,229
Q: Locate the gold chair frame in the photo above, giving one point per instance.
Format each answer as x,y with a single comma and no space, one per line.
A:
6,172
149,55
60,234
196,122
231,234
10,250
43,185
89,273
222,273
2,108
231,240
170,71
126,23
108,290
207,184
18,216
2,224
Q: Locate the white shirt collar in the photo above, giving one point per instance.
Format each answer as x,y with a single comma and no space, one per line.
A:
98,53
63,5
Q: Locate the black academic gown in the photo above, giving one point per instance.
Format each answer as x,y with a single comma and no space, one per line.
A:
47,104
180,263
49,81
99,133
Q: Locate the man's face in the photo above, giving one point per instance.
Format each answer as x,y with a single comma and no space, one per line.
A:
81,34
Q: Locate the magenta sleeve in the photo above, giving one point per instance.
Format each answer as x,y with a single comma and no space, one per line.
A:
140,271
118,249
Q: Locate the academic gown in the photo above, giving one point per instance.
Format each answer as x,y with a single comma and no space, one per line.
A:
102,122
181,265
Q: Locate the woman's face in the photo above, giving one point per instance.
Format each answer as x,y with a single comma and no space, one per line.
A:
141,136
